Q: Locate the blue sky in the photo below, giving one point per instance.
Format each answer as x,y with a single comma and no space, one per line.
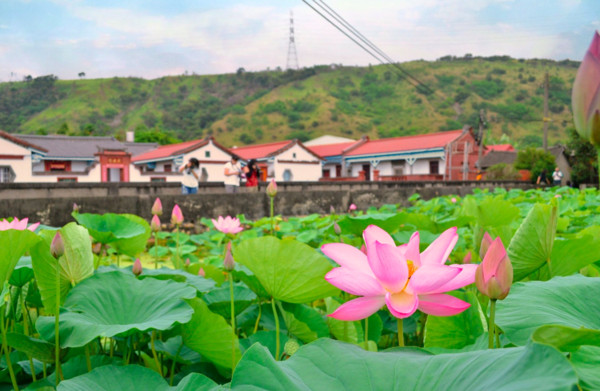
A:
153,38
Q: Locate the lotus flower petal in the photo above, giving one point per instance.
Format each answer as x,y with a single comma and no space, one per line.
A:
411,250
441,305
437,253
389,266
428,278
465,277
354,282
403,304
359,308
586,94
348,257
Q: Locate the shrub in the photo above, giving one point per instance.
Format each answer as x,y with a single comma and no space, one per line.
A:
502,171
535,160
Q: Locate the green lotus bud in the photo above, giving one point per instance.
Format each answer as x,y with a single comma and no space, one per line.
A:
291,347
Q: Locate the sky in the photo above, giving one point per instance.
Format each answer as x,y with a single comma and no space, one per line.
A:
154,38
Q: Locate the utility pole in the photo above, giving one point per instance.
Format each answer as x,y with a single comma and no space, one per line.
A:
546,119
480,149
465,169
292,57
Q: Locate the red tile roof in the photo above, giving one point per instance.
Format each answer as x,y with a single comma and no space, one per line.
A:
500,147
165,151
331,149
260,150
407,143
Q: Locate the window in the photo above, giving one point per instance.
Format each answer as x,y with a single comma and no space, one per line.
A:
57,165
7,175
59,179
168,168
326,173
287,176
157,179
398,167
434,167
294,155
206,153
150,167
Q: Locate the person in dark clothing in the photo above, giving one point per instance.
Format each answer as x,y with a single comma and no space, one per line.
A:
543,178
252,174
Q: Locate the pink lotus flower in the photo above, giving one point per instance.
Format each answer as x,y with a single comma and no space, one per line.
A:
17,224
137,267
494,276
201,272
453,200
228,225
176,215
352,207
155,224
398,276
157,209
272,188
586,95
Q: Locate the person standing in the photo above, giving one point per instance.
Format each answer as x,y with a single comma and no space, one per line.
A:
191,174
233,171
252,174
557,177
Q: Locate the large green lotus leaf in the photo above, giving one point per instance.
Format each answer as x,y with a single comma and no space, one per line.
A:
210,335
267,339
288,270
219,299
127,233
531,247
22,273
164,273
332,365
13,244
357,224
174,348
566,339
116,303
458,331
341,330
133,378
306,316
586,362
569,256
572,301
243,273
36,348
77,263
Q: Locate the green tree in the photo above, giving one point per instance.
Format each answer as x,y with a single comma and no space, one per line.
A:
535,160
582,158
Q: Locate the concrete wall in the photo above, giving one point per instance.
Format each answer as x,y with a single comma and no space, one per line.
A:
52,204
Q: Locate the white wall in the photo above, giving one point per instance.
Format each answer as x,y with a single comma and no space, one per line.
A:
21,167
307,168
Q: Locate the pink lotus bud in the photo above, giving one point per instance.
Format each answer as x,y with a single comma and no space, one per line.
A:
176,216
201,272
57,247
336,228
586,95
468,258
453,200
96,248
352,207
272,188
155,224
331,210
557,196
75,207
187,263
494,275
137,267
486,242
157,209
228,262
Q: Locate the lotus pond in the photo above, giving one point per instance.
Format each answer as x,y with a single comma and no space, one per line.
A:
493,291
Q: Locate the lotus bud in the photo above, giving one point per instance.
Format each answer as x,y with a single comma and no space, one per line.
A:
201,272
352,207
157,209
176,216
291,347
468,258
137,267
272,188
586,95
96,248
331,210
187,263
336,228
494,275
57,247
228,262
155,224
75,207
485,244
453,200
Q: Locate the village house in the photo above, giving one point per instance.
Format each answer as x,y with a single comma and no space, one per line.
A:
287,161
333,154
162,164
58,158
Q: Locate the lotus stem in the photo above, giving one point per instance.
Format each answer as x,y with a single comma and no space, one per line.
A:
112,347
56,326
497,332
598,150
44,371
272,199
154,352
13,379
233,330
491,326
258,318
173,365
277,341
400,332
26,332
176,265
366,339
155,252
88,361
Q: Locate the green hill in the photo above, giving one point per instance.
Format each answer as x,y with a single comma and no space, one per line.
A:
252,107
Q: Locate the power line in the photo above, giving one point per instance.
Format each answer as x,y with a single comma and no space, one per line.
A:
411,80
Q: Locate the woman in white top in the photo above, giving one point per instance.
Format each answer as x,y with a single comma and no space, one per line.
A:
233,172
191,174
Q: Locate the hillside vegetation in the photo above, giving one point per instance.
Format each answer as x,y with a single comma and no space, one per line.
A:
252,107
